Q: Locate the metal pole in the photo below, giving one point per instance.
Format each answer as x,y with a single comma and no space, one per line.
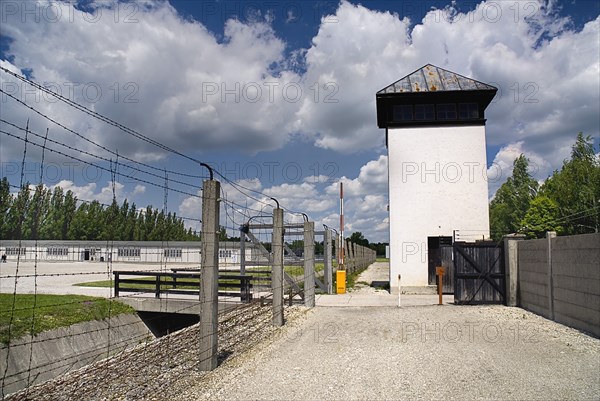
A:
341,261
277,268
328,265
209,275
309,264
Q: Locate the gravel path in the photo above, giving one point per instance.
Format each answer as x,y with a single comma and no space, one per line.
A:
425,352
447,352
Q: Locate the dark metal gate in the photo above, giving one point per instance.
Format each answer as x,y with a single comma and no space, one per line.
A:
479,275
439,253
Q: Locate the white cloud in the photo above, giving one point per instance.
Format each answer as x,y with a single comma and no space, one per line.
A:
195,91
164,76
502,166
365,202
89,192
547,73
192,94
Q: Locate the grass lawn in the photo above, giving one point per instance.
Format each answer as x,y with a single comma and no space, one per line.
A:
51,312
382,260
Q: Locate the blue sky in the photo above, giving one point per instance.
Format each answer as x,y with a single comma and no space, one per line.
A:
279,95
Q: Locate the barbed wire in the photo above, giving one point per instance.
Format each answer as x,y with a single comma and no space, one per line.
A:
161,186
240,188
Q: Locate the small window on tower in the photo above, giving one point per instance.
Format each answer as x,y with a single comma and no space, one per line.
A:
468,111
446,111
403,112
424,112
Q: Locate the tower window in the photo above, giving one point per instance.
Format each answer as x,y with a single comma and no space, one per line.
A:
424,112
403,112
446,111
468,111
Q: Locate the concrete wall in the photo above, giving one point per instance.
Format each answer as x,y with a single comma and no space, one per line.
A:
437,184
563,284
56,352
533,276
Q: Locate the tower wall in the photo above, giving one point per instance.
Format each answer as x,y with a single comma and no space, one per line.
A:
437,184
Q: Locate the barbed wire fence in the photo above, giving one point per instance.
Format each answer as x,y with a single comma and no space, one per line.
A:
253,253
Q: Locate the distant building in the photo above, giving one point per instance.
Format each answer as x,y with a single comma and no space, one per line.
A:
122,251
435,134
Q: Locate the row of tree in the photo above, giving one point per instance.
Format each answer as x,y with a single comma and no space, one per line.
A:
47,214
568,202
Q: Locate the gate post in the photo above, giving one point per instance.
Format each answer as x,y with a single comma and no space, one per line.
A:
277,268
327,262
209,274
309,264
511,269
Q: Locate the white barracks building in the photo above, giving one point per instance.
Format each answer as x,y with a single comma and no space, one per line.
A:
435,133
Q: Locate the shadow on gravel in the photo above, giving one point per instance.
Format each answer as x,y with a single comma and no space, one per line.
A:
383,285
223,356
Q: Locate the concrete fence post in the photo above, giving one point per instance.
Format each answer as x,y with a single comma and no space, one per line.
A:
309,264
328,266
242,253
277,268
348,262
550,291
511,268
338,245
209,275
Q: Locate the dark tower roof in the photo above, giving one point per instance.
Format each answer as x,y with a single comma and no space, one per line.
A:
431,79
433,91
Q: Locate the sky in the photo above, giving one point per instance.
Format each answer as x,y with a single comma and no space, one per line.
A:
279,96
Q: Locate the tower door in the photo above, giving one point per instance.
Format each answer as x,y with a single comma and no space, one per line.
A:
439,253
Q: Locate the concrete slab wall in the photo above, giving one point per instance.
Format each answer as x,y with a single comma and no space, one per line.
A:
576,277
33,360
533,276
575,268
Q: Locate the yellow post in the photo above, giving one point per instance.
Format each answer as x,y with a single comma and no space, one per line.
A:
340,281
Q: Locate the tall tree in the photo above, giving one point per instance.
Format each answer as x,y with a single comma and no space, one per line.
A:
69,209
511,202
5,205
36,213
358,238
576,188
542,216
17,213
52,225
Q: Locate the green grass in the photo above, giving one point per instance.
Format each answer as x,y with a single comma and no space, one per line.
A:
382,259
51,312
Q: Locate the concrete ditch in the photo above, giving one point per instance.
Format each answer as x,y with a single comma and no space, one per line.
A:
32,360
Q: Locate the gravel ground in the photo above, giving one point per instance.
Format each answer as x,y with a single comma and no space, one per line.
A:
351,353
435,352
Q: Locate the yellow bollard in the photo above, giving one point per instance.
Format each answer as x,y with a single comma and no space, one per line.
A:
340,282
